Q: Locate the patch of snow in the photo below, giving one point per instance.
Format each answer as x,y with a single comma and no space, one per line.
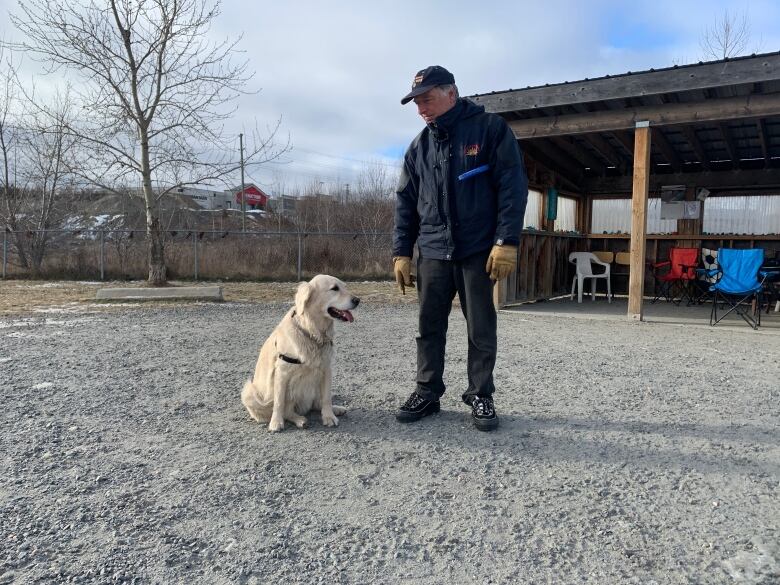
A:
72,223
102,220
755,566
44,285
32,335
19,323
107,305
68,323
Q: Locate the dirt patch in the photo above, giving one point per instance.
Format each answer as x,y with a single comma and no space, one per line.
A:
19,297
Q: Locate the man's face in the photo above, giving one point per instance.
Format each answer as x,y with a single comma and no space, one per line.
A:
433,103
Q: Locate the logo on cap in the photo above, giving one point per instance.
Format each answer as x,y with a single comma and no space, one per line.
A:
417,81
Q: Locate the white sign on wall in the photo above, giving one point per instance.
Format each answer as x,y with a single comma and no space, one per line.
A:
681,210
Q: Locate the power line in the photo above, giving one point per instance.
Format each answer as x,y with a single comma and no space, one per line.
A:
313,174
309,163
359,160
317,165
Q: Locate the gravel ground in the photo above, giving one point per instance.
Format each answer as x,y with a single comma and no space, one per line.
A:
627,453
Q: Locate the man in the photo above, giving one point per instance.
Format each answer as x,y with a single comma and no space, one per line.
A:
461,197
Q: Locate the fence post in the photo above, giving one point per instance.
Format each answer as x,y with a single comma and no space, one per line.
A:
195,245
5,250
102,254
300,255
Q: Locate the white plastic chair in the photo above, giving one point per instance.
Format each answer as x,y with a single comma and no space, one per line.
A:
583,260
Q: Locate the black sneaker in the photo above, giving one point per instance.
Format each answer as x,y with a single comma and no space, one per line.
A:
483,412
415,408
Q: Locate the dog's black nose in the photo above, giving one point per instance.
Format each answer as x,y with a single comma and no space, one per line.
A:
356,301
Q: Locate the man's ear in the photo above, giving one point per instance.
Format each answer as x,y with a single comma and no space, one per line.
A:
302,296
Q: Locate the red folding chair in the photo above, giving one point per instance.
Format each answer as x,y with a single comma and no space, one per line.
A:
675,274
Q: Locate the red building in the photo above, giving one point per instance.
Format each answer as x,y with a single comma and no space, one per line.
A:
256,198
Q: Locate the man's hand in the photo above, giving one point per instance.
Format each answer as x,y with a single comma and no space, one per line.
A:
401,268
501,262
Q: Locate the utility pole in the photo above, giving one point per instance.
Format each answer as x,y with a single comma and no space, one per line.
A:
243,195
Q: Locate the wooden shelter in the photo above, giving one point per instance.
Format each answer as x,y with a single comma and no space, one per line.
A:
714,125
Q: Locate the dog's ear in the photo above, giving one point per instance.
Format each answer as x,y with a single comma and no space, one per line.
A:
302,296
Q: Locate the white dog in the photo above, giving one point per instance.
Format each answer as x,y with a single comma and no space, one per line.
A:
293,372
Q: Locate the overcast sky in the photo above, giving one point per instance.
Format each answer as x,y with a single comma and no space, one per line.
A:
335,71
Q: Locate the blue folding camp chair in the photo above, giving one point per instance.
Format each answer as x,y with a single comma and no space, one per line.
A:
739,280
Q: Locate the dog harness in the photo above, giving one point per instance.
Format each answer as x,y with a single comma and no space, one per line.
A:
317,341
287,358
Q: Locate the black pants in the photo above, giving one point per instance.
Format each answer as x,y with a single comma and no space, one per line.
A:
437,282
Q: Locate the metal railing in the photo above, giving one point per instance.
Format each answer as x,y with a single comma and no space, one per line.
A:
196,254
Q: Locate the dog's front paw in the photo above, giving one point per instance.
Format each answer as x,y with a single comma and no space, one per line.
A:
339,410
276,425
329,419
299,421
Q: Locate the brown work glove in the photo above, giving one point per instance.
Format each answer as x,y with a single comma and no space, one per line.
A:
401,268
501,262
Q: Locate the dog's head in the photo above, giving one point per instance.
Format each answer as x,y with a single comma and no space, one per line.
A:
325,296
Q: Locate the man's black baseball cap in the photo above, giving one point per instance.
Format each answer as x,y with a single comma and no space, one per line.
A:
426,79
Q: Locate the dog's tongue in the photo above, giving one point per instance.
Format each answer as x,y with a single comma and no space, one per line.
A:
348,315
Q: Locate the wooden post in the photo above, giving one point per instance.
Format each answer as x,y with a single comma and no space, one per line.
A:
499,294
5,249
543,222
505,290
636,279
102,255
243,187
690,227
195,247
300,257
587,215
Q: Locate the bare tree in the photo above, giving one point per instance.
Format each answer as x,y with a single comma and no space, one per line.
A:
375,204
11,131
154,92
313,209
46,151
34,145
276,206
727,37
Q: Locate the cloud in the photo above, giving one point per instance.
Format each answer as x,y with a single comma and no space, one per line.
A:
335,72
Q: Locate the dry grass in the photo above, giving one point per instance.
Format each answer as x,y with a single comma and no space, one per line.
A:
254,256
19,297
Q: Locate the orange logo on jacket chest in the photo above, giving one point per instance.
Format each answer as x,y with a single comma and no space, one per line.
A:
471,149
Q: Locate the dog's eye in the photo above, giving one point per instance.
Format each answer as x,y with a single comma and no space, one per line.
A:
334,287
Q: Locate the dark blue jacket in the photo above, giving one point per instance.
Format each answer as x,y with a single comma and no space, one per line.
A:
451,219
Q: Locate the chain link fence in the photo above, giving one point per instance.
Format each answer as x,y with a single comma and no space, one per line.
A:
209,255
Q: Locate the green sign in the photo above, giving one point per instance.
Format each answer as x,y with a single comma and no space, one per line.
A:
552,203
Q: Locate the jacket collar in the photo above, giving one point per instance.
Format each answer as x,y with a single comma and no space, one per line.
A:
443,125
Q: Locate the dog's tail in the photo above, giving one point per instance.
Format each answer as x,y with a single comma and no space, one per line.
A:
259,409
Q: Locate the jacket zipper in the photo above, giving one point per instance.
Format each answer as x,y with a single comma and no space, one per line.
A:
445,166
